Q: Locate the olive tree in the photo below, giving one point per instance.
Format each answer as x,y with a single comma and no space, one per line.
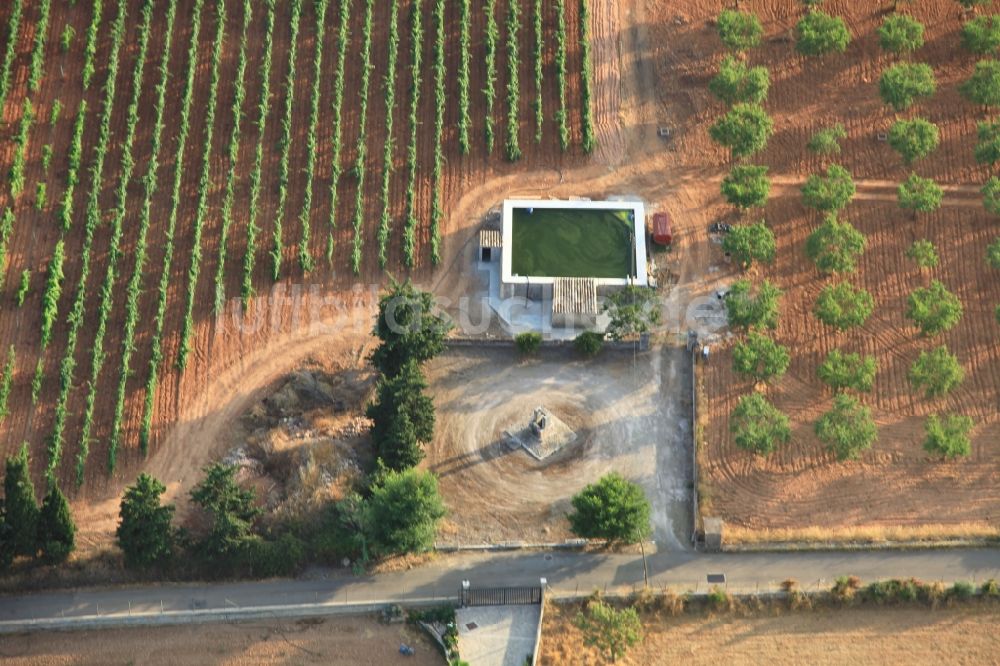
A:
760,358
758,426
844,306
853,371
902,84
936,372
948,437
934,309
901,34
747,310
923,253
920,195
746,186
988,143
914,139
739,31
738,82
835,246
831,192
611,630
847,429
983,87
991,195
993,254
827,140
982,34
745,129
748,243
818,33
614,509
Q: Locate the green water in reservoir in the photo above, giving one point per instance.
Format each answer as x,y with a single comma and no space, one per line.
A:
560,242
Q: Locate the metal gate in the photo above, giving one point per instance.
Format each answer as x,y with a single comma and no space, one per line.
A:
501,596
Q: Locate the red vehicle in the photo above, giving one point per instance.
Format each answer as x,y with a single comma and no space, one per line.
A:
662,229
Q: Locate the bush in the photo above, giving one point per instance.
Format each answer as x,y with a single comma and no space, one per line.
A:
633,311
736,82
745,129
718,598
848,371
948,437
989,588
988,144
612,631
748,243
614,509
402,514
991,196
528,343
901,34
589,343
962,590
831,192
982,34
845,588
746,186
827,141
739,31
818,34
934,309
914,139
760,358
848,428
844,306
937,372
993,254
66,38
747,310
983,87
921,195
835,246
923,253
280,557
758,426
902,84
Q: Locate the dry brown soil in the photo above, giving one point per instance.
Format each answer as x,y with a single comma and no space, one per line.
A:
851,636
330,640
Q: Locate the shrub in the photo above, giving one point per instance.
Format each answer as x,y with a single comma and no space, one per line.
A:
336,170
718,598
988,144
402,514
901,34
991,196
843,306
589,343
305,257
817,34
962,590
831,192
538,59
757,425
55,113
848,428
746,186
845,588
41,196
989,588
279,557
66,38
6,383
937,372
983,87
923,253
491,37
848,371
993,254
747,310
53,290
614,509
914,139
612,631
748,243
982,34
934,309
528,343
439,107
736,82
633,311
90,48
23,287
760,358
921,195
902,84
46,157
464,69
739,31
38,49
827,141
745,129
948,436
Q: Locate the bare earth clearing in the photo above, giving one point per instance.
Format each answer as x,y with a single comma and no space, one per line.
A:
850,636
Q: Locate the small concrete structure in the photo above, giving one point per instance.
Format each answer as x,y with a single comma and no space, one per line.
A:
497,635
574,303
713,534
544,436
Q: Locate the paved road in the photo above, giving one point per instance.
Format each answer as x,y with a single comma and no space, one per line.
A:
567,573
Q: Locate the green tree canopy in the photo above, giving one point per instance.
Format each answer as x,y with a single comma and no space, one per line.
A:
827,140
848,428
921,195
231,511
611,630
903,83
842,371
993,254
818,34
739,31
844,306
948,437
835,246
745,129
901,34
760,358
633,310
831,192
402,514
746,309
982,34
914,139
144,532
923,253
757,425
407,327
748,243
983,87
988,145
56,530
934,309
738,82
589,343
936,372
402,418
746,186
991,195
614,509
20,505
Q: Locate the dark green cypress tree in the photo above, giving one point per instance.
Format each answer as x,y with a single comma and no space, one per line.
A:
20,505
56,530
